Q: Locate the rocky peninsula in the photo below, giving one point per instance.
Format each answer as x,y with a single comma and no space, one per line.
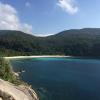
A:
11,88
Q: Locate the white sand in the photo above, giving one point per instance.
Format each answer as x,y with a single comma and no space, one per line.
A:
45,56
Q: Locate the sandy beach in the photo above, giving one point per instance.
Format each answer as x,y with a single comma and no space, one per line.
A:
42,56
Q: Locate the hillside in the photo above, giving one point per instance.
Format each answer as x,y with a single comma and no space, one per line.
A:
17,42
77,42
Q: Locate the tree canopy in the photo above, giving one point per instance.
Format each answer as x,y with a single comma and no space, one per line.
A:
82,42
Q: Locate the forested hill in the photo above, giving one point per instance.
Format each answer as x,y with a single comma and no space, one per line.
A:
76,42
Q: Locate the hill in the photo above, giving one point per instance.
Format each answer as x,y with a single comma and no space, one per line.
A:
76,42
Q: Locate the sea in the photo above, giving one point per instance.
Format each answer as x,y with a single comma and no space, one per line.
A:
69,78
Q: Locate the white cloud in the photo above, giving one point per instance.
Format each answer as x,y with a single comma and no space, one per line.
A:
68,5
9,19
27,4
27,28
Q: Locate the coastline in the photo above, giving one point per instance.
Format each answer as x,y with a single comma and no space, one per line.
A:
16,91
9,91
23,86
40,56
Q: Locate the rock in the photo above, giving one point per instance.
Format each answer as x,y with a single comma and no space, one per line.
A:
9,91
0,98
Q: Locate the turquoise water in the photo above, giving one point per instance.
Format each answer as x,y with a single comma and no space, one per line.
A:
61,78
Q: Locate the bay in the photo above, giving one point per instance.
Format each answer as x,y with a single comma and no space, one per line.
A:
61,78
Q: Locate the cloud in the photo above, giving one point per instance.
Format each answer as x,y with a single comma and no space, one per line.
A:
27,28
27,4
9,19
68,5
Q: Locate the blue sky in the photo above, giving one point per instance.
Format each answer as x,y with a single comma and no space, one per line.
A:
43,17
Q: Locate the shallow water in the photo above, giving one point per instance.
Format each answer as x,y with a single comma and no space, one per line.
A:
61,78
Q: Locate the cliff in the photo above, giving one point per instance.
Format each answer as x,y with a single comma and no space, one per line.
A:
9,91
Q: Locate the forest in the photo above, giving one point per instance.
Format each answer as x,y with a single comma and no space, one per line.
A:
75,42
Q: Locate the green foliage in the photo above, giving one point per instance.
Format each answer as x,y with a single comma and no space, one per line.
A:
6,72
83,42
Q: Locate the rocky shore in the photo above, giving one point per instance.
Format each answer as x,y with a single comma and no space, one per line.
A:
9,91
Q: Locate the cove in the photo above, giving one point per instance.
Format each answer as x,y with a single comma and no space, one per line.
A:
61,78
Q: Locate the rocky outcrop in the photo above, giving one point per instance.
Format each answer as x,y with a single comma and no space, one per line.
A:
9,91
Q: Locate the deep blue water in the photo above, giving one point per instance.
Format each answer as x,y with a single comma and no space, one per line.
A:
61,78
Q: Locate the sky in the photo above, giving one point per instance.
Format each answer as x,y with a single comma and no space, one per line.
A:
45,17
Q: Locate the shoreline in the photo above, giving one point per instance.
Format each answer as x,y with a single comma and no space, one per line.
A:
40,56
13,88
35,95
9,91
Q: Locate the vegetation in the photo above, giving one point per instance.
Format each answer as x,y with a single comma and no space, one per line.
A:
6,72
83,42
